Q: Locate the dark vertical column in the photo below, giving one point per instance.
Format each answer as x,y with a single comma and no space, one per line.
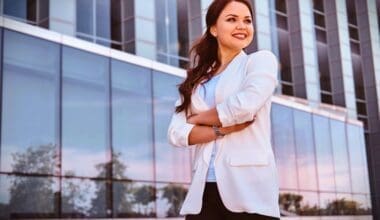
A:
116,24
252,47
1,87
183,30
368,73
296,54
128,26
43,13
58,168
37,12
110,155
195,20
334,53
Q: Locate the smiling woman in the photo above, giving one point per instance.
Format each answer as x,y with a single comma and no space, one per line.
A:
224,111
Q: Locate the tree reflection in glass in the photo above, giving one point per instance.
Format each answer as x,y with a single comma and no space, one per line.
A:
170,197
31,195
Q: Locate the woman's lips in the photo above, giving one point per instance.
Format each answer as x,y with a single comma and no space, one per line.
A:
240,36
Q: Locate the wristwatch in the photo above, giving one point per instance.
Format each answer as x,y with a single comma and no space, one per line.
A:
217,131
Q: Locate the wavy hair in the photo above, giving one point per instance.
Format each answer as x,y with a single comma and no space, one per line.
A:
204,55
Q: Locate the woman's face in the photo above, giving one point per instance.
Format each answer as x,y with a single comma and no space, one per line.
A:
233,29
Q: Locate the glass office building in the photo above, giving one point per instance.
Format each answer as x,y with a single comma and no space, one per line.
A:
88,87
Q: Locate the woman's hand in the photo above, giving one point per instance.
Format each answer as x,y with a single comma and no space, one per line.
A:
236,128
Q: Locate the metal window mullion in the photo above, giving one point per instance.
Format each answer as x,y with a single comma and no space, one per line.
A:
94,20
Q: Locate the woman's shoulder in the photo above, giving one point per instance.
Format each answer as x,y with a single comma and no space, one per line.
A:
263,60
263,55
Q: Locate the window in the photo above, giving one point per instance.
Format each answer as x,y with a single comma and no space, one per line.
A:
303,129
172,32
35,12
30,97
85,124
324,154
96,22
284,146
175,159
283,34
132,122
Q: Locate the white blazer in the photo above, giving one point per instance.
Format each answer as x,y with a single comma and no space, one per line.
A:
245,168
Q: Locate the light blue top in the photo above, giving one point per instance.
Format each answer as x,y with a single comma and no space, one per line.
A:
207,92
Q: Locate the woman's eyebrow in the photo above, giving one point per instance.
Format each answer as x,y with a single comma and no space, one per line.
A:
233,15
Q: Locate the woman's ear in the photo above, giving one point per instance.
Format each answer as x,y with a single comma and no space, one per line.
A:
213,31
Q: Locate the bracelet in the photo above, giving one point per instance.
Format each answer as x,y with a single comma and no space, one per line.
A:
217,131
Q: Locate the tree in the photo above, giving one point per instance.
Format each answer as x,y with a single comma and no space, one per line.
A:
33,195
75,195
343,207
290,202
175,195
121,192
143,196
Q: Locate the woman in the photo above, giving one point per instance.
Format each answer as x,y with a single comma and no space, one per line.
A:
224,110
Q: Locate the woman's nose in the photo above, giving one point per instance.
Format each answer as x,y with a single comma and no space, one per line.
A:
240,25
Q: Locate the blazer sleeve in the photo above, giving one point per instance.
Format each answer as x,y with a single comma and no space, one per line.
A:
179,129
258,87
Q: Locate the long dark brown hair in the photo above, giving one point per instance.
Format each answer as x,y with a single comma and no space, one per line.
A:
203,55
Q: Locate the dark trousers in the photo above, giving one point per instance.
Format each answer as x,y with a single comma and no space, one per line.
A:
214,209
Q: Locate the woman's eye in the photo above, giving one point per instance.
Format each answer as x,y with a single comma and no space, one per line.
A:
248,21
231,19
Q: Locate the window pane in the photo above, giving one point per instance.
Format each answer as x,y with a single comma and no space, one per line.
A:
85,16
170,197
342,174
145,9
284,146
16,8
323,66
365,162
103,19
324,153
29,114
83,198
168,158
344,205
131,199
309,204
132,121
84,113
289,202
305,150
148,32
27,197
362,205
281,6
326,201
358,166
161,36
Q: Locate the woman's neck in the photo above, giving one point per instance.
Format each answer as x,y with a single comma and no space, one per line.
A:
226,57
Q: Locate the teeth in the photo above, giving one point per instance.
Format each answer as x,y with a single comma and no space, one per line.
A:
239,35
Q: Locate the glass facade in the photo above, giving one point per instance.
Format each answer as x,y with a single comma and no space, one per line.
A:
80,135
318,170
85,134
89,131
